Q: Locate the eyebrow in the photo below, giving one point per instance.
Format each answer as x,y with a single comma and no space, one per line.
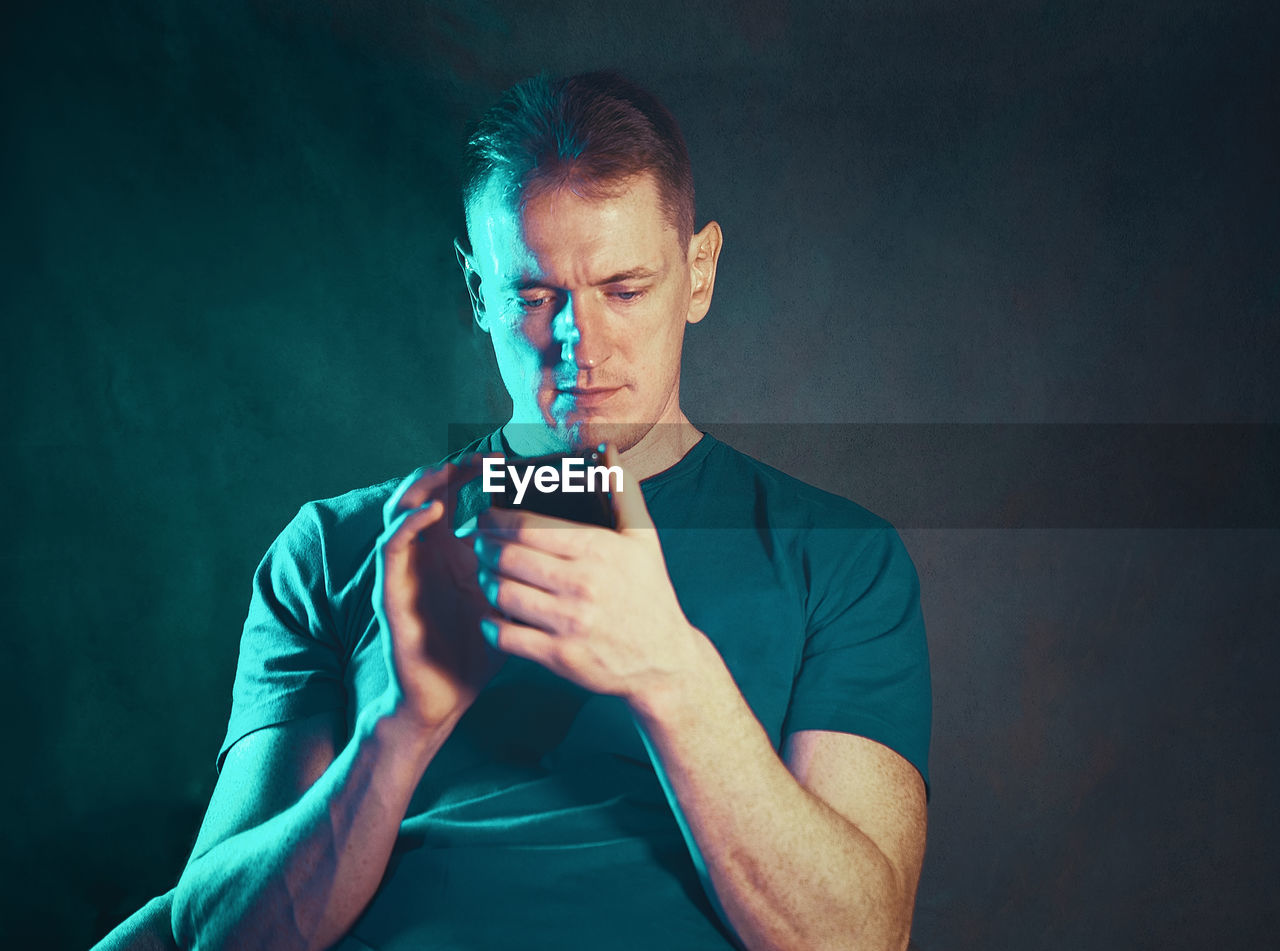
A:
634,274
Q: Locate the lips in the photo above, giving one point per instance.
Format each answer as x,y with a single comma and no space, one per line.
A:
589,395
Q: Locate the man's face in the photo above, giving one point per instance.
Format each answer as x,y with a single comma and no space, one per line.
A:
586,301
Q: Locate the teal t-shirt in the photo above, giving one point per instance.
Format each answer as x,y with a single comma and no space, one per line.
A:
541,822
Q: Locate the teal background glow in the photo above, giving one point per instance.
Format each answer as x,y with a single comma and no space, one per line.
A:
229,288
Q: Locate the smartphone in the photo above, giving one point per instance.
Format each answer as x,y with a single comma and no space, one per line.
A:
562,485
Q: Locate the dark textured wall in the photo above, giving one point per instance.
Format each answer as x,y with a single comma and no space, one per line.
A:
228,288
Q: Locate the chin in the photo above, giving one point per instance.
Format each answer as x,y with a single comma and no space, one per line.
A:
588,433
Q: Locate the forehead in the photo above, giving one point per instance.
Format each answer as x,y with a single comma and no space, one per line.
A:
557,232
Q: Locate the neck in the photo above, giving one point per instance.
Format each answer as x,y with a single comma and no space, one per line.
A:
660,448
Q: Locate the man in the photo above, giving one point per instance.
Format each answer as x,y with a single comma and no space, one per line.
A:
456,726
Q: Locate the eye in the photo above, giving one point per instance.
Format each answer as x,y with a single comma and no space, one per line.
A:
533,303
627,296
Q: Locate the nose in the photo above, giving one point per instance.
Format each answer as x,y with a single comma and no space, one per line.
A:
579,331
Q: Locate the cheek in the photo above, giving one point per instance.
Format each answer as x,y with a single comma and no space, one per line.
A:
521,360
518,333
512,350
662,338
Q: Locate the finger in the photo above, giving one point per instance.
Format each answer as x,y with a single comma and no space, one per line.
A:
521,640
629,510
556,536
394,560
391,551
397,500
428,482
521,601
519,562
405,529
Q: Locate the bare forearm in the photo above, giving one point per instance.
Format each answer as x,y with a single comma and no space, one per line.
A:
300,879
787,870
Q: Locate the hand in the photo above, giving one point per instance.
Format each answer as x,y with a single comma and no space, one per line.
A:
428,602
592,605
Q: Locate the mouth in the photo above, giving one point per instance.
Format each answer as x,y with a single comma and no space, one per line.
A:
589,395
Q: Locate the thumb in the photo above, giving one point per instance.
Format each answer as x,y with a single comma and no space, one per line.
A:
629,510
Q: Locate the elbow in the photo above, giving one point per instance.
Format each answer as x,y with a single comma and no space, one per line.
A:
856,931
194,917
870,938
899,928
213,911
182,917
884,925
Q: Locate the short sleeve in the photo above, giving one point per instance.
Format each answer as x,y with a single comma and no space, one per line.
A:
865,665
291,662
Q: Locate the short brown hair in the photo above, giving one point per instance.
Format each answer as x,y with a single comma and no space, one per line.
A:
591,132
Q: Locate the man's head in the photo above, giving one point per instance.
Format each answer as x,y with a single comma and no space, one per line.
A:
584,268
589,133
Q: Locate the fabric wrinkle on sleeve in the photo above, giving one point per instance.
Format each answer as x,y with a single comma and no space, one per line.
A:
291,661
865,665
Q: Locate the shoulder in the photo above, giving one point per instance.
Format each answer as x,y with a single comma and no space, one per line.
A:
341,530
352,516
837,549
791,502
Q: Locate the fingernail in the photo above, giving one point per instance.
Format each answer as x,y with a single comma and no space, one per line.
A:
466,528
489,631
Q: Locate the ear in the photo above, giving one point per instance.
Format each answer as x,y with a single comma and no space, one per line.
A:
472,277
704,254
